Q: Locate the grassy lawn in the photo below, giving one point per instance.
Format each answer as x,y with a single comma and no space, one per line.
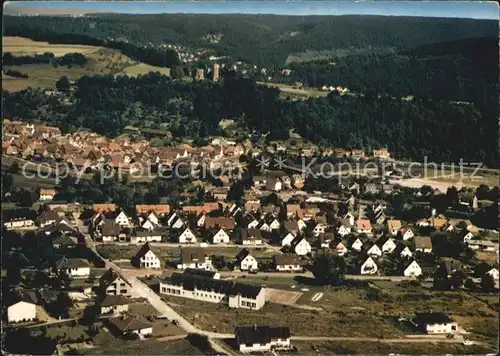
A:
376,348
101,61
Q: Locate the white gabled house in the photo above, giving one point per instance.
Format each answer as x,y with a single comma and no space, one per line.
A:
252,224
493,273
300,246
287,240
187,236
319,229
21,311
412,269
374,250
220,237
265,227
172,219
369,267
386,245
339,248
148,225
301,224
357,245
201,220
145,258
344,230
407,234
178,223
349,217
122,219
275,224
246,261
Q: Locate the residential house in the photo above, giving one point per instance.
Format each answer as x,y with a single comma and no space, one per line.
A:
325,239
412,269
406,233
402,251
122,219
128,324
114,304
393,226
450,266
112,283
386,244
262,338
287,240
369,267
223,222
265,227
291,227
423,244
251,237
73,267
301,246
18,219
493,273
103,208
483,245
356,244
372,249
339,248
363,226
194,257
319,229
246,261
187,237
47,194
287,263
294,211
233,294
146,258
138,236
435,323
47,218
200,220
159,209
203,273
110,231
220,237
252,206
23,307
345,227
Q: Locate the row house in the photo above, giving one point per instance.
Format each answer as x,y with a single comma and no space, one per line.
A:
230,293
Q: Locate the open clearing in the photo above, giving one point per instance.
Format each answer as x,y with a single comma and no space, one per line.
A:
20,46
288,89
101,61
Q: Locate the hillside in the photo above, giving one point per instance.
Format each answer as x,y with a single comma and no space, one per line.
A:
266,40
101,61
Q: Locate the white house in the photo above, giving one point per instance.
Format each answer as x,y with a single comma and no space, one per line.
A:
349,217
300,246
201,220
74,267
369,267
386,245
423,244
435,323
287,240
405,252
148,225
122,219
412,269
275,224
319,229
252,224
194,257
21,311
19,223
374,250
393,226
265,227
246,261
145,258
493,273
407,234
344,230
172,219
187,237
145,236
468,236
357,245
288,263
301,224
262,338
339,248
230,293
114,304
177,224
220,237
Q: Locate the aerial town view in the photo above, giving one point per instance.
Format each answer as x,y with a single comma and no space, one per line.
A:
254,177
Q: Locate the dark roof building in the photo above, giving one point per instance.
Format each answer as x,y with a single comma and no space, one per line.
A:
200,272
259,334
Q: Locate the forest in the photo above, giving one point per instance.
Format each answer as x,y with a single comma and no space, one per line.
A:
442,131
264,40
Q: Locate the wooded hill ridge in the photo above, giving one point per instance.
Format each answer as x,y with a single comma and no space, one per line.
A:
264,40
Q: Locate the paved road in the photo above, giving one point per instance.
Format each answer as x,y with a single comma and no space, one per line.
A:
423,339
177,245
